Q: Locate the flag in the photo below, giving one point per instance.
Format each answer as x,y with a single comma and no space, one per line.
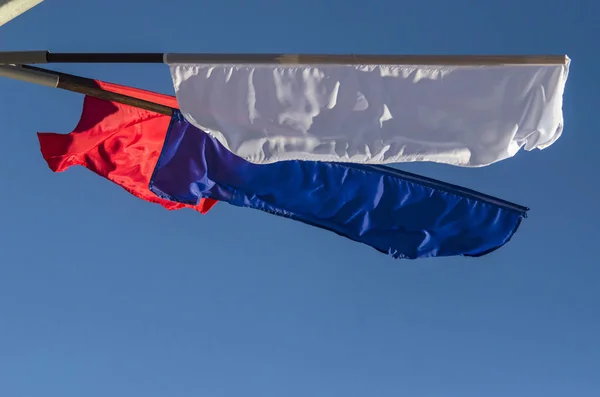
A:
469,116
401,214
118,142
404,215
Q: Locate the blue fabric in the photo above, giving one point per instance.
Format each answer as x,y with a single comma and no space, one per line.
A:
402,214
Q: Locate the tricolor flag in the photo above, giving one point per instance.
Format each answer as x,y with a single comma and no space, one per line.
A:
394,212
463,115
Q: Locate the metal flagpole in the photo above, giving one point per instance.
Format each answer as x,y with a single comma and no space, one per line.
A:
10,9
33,57
81,85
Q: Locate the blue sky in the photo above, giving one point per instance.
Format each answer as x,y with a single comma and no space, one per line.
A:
102,294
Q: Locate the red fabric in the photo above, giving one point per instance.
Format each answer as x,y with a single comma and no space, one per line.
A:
119,142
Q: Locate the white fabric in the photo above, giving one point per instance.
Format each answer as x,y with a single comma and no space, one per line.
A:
461,115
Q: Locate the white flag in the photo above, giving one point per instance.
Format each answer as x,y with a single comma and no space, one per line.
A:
461,115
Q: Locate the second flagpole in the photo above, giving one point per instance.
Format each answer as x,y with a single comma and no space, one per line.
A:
81,85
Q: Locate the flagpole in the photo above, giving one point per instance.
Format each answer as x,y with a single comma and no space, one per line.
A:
81,85
33,57
10,9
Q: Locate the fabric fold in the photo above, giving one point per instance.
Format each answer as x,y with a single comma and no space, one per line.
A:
401,214
119,142
469,116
